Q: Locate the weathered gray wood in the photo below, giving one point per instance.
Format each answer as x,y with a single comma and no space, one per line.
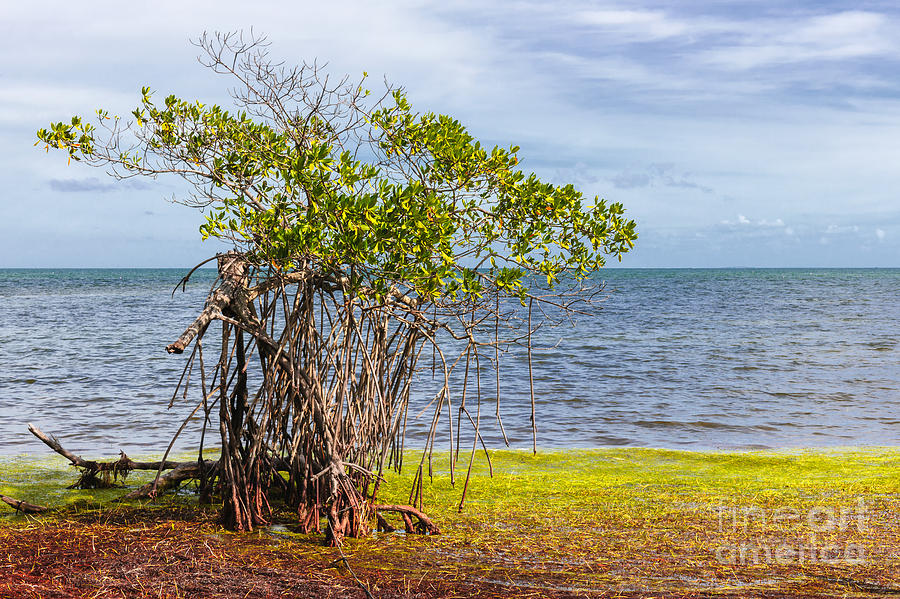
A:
121,465
233,270
172,479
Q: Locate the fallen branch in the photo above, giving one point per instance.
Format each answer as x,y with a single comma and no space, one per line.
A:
122,464
179,471
23,506
53,444
171,480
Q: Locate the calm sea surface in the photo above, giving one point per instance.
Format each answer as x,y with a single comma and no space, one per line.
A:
696,359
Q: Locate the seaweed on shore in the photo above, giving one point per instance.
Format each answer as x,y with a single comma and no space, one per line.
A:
616,522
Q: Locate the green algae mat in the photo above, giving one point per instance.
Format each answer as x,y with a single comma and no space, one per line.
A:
822,522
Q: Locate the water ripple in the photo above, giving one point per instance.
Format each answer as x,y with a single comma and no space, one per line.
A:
676,358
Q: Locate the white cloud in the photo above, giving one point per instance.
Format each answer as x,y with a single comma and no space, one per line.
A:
833,229
856,29
616,86
880,234
747,43
762,223
641,24
839,36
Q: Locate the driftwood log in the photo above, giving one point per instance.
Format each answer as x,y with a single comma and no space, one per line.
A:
124,463
178,471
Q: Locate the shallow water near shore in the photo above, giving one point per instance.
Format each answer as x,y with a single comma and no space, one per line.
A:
695,359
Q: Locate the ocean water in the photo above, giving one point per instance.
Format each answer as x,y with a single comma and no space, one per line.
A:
678,358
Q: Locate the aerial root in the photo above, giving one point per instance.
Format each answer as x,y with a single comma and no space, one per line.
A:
423,524
383,525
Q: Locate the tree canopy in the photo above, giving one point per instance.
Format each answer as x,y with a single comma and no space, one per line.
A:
307,169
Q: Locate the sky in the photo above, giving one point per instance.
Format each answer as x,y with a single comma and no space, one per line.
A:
736,134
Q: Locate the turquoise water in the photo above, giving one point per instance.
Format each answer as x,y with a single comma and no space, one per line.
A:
693,359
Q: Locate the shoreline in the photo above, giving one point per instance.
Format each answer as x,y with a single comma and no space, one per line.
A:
625,521
191,453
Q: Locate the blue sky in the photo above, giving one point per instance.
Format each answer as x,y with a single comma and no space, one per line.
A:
736,134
